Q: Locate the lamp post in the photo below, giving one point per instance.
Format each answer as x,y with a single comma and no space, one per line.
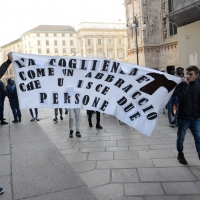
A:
135,26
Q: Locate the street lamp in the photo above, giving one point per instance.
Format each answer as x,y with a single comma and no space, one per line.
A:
135,26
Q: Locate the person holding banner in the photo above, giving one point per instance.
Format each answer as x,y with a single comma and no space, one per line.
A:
74,113
36,115
188,92
3,69
89,112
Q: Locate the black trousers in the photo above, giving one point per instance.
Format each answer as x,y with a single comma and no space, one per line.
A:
89,112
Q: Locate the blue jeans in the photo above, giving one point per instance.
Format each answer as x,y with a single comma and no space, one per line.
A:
36,113
194,126
1,108
14,104
172,101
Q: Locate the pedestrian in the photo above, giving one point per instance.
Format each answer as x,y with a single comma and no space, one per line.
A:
11,93
188,92
56,114
36,115
172,101
74,113
66,111
3,69
89,113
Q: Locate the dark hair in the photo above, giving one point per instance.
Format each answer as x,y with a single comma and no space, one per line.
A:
193,68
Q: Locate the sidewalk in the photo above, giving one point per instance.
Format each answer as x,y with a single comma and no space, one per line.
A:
114,163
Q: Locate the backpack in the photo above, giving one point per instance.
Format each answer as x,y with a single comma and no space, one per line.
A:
13,91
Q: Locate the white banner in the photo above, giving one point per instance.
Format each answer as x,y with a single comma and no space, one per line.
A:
133,94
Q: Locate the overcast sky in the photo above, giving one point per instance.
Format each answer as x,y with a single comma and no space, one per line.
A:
19,16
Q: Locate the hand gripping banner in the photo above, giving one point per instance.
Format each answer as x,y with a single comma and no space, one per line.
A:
131,93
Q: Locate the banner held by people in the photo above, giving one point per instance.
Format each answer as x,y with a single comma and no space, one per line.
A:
131,93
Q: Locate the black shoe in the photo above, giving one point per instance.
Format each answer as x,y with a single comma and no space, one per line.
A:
78,134
172,125
4,123
66,112
71,134
61,117
1,190
4,119
55,120
20,120
15,121
90,124
98,126
182,159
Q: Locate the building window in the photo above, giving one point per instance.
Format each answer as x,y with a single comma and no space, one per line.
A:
72,50
63,42
47,42
172,27
99,41
48,51
120,54
56,50
39,50
64,50
38,35
38,42
109,40
55,34
46,34
71,42
55,43
119,41
63,35
71,35
29,43
89,42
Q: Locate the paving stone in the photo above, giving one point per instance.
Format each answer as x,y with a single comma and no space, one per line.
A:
116,148
71,194
173,140
138,142
69,151
138,147
5,183
84,166
125,155
129,198
100,156
131,137
96,144
109,134
163,146
182,187
196,171
4,136
76,158
162,198
5,165
108,192
98,138
124,175
58,141
173,162
67,145
138,189
96,177
165,174
155,154
190,197
120,164
4,147
92,149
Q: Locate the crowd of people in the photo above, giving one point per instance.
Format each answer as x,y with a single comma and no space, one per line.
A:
183,107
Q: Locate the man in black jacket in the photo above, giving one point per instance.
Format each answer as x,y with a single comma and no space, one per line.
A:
188,92
3,69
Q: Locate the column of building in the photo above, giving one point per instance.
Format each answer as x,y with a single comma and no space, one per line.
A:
95,46
115,47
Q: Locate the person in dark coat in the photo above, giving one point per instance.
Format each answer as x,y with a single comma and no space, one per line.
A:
3,69
11,92
188,114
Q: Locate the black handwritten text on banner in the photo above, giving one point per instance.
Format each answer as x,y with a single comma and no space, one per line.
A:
132,93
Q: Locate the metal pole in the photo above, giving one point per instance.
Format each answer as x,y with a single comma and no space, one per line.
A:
137,44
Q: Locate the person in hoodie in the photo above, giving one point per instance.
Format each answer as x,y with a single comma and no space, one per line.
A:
11,92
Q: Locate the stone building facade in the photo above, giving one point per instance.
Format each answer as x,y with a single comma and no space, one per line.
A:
102,40
157,40
186,14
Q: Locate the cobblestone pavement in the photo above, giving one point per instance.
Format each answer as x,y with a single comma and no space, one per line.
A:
120,163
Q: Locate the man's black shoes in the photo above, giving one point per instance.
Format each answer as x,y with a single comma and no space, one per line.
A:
182,159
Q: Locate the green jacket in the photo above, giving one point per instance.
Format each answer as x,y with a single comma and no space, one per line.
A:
4,67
